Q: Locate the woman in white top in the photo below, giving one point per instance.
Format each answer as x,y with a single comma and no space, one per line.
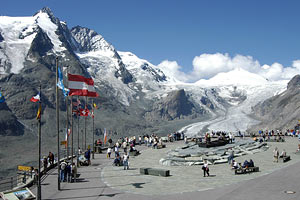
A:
205,169
108,152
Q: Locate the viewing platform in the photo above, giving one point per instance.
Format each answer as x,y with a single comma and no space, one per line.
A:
102,180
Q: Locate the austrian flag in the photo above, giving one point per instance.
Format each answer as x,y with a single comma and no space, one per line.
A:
36,98
81,86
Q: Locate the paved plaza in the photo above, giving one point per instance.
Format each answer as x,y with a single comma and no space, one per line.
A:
101,180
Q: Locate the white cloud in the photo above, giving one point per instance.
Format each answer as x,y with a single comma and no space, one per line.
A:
172,70
207,66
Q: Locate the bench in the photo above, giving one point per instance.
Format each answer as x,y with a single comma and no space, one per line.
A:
155,172
134,153
276,140
285,158
246,170
161,146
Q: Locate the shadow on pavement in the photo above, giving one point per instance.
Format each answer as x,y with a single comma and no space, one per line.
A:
84,197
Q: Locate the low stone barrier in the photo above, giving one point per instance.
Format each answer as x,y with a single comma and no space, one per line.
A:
285,159
155,172
246,170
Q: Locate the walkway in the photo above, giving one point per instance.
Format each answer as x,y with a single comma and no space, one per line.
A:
103,181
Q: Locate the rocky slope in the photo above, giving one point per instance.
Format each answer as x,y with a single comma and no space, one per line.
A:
282,111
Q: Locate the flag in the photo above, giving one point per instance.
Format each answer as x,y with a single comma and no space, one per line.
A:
95,105
84,112
38,115
68,132
60,83
92,114
35,98
77,103
2,99
105,136
81,86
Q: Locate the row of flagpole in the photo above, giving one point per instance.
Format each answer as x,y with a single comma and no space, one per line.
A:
86,90
82,86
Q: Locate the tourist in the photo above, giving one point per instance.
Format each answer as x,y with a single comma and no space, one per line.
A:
117,161
68,172
87,155
298,148
74,172
185,140
51,158
251,163
205,168
245,164
235,164
45,164
116,149
140,140
230,157
124,146
109,150
283,153
63,166
276,154
79,151
125,161
230,137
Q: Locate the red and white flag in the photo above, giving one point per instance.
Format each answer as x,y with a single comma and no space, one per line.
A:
81,86
36,98
105,136
84,112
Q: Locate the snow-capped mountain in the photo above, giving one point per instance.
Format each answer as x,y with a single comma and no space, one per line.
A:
136,97
28,42
17,35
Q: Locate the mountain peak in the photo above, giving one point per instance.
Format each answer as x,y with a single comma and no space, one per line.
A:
46,10
90,40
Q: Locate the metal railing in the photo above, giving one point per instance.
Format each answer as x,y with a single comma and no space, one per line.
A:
15,181
22,178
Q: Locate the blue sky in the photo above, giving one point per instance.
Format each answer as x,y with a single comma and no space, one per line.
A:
174,30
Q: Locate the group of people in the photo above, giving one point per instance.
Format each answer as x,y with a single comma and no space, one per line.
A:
68,171
276,155
221,135
122,143
48,161
246,164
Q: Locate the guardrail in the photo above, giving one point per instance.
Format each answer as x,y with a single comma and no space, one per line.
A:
24,179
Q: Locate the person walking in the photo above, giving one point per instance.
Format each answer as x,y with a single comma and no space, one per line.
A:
74,172
205,169
276,154
125,161
63,166
109,152
68,172
45,164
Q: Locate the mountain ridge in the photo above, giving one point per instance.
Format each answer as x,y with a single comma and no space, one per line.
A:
136,97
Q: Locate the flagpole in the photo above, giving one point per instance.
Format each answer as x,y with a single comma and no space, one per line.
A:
78,132
67,106
39,191
85,125
72,153
57,127
93,116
